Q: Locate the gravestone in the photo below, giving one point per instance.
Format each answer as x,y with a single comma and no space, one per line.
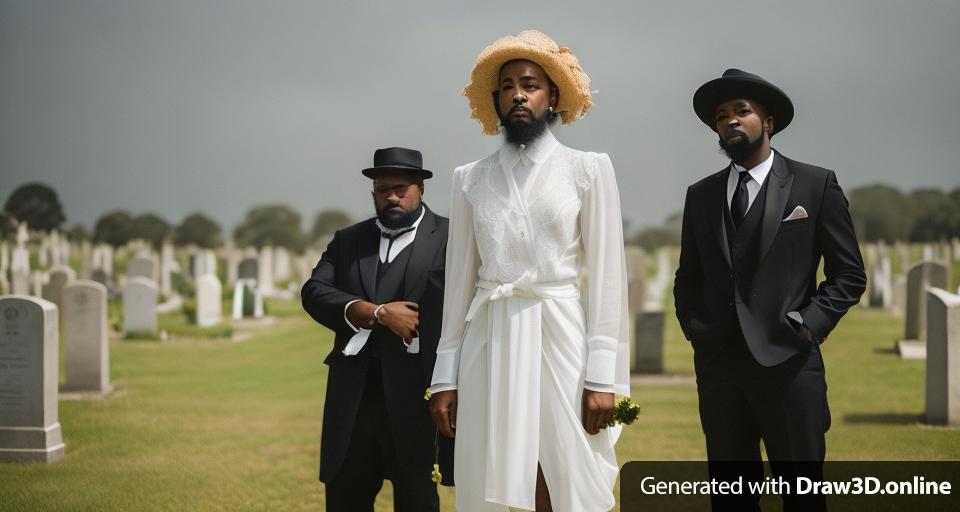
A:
86,347
141,266
209,301
140,306
60,276
232,262
29,427
281,264
943,358
167,262
649,339
249,269
247,300
921,277
265,274
20,271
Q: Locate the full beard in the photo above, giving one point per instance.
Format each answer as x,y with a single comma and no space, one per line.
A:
740,151
396,218
523,132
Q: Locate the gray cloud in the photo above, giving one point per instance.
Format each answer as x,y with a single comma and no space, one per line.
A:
172,107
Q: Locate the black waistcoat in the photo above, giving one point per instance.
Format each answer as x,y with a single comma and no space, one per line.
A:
744,242
392,276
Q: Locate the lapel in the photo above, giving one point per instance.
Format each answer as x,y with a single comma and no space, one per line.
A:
368,257
421,256
778,190
717,212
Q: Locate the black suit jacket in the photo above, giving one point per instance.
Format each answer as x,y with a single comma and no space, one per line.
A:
784,278
347,271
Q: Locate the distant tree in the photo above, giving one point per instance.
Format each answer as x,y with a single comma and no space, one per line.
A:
881,212
936,215
198,229
114,228
328,222
38,205
653,238
151,228
271,225
78,233
8,227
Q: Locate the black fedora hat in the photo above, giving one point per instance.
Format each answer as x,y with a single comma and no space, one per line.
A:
398,159
739,84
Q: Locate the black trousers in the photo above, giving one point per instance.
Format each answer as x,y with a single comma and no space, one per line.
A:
372,458
785,406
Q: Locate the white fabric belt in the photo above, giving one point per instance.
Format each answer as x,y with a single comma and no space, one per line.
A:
489,291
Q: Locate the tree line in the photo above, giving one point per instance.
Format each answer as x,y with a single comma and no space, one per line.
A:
274,224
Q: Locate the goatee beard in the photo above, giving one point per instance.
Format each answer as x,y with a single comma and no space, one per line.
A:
395,218
740,151
522,132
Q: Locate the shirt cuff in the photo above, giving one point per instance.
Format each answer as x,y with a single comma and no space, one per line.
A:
445,369
436,388
345,308
601,360
599,388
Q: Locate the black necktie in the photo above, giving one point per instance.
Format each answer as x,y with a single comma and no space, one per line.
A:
392,236
741,199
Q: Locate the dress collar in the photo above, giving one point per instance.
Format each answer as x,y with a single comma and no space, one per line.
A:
536,152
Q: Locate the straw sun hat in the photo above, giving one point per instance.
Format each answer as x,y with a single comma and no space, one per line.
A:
560,64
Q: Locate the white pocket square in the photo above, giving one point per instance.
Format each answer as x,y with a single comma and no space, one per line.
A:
797,213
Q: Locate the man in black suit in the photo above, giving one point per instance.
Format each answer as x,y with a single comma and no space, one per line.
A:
367,288
746,293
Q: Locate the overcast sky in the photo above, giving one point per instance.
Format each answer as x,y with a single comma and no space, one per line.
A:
176,106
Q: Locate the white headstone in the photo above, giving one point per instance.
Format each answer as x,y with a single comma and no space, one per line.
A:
922,276
943,358
141,266
265,277
209,301
29,371
140,306
86,347
281,264
59,277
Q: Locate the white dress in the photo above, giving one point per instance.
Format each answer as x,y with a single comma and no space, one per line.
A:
519,338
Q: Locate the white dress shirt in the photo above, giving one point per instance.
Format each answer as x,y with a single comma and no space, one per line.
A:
757,175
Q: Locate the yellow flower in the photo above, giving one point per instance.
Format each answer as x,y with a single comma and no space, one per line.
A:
426,396
435,475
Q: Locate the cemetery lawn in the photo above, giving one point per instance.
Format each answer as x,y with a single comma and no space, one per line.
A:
209,424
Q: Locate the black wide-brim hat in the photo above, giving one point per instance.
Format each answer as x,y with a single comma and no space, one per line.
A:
409,161
739,84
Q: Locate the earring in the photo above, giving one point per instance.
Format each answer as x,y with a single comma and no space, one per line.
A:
550,108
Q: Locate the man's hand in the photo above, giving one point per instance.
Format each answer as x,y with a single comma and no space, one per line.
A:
597,410
360,314
402,318
443,409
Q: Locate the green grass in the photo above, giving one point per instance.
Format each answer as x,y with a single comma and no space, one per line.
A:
207,424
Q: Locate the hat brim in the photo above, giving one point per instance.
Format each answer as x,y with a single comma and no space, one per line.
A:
373,172
715,92
559,63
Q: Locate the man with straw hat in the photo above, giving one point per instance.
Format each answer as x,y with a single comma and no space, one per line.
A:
526,374
746,291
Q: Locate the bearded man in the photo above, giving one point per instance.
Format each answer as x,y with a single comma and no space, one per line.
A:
373,287
528,363
746,291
